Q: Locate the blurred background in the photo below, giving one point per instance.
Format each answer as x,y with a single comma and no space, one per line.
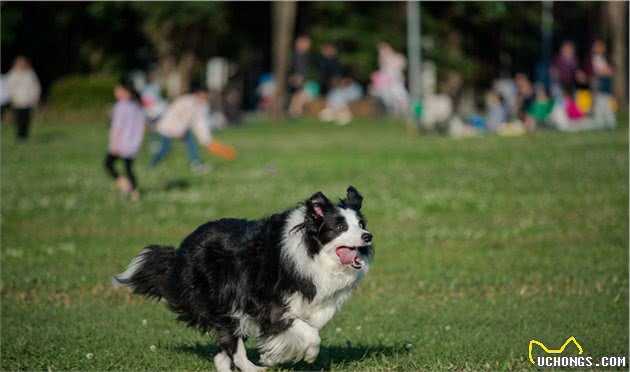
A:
489,139
461,52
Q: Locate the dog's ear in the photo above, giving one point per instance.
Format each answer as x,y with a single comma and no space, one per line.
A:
318,205
353,199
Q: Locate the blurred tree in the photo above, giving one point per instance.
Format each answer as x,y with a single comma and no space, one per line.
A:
478,40
183,34
465,39
617,12
283,23
470,42
355,29
63,38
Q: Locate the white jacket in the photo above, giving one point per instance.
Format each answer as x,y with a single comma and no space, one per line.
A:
186,113
23,87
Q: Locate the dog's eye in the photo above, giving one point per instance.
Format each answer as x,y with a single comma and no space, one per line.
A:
362,224
340,227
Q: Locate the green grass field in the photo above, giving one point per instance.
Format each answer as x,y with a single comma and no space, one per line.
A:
481,244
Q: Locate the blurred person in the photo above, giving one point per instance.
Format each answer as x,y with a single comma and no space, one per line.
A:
525,97
266,91
540,109
457,128
125,137
344,91
566,115
151,96
328,67
231,109
572,110
497,111
154,105
4,96
564,68
600,73
186,117
583,94
437,112
298,76
24,91
392,80
508,92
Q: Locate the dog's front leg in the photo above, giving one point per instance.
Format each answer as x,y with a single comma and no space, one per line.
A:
233,351
299,342
312,348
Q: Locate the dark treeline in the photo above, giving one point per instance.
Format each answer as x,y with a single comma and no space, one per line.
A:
477,41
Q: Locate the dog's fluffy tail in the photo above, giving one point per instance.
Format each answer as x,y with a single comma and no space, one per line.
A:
148,273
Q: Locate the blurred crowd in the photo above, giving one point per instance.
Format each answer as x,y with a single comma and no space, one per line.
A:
320,85
578,96
575,95
139,104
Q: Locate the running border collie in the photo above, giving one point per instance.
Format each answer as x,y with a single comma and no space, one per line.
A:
278,279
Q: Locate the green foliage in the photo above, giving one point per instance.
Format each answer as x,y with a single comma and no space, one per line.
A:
80,92
183,14
11,19
183,26
481,244
475,39
356,29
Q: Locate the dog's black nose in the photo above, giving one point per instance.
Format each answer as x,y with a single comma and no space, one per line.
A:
367,237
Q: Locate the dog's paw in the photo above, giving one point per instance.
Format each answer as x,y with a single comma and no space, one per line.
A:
311,353
268,360
312,348
247,366
300,342
252,368
222,362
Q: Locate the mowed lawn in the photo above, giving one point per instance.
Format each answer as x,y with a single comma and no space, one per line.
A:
481,244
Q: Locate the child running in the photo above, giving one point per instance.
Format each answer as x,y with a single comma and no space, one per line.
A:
187,116
125,137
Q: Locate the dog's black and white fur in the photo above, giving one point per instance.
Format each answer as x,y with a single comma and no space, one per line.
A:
279,279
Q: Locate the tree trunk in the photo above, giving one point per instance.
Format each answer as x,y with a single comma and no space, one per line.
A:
283,22
618,32
185,67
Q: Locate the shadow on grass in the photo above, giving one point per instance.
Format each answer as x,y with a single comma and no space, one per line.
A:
338,354
328,355
47,137
203,351
177,184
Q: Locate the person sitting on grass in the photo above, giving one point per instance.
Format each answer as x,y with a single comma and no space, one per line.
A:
125,137
567,117
540,109
186,116
345,90
497,111
600,72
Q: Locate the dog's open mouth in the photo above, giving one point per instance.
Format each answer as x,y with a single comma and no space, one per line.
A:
350,256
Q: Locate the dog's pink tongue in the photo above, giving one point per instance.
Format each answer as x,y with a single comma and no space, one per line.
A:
346,255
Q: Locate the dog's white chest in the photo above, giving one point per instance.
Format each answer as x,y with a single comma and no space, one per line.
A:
319,311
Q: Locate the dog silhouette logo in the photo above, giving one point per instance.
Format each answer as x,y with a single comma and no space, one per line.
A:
553,351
